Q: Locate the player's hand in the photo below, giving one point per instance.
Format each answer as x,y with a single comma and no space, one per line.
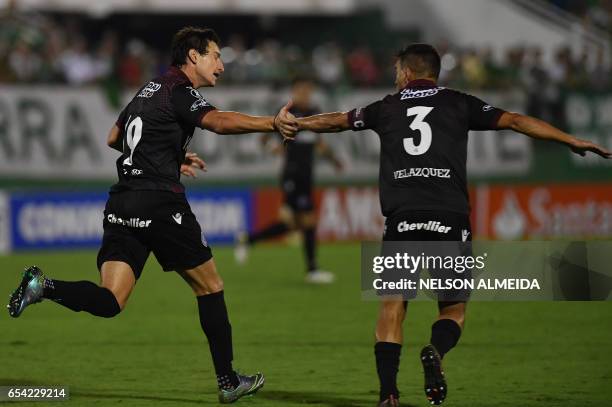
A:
285,122
192,161
581,147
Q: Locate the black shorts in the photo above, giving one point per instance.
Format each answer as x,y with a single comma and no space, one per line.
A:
423,227
139,222
298,193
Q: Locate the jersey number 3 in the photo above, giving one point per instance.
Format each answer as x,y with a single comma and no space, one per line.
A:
419,124
133,134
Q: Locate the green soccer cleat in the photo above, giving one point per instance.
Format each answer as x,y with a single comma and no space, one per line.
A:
30,291
247,385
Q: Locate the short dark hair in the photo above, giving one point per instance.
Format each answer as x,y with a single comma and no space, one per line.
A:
299,79
422,59
191,38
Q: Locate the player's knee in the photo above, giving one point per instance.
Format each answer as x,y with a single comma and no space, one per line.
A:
210,286
215,286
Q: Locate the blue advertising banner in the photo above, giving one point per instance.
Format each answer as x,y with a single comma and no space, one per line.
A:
222,212
56,220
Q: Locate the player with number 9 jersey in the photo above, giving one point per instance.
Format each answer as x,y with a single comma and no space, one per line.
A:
147,210
158,125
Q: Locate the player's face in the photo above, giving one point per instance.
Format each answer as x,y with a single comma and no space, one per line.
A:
402,76
209,66
302,93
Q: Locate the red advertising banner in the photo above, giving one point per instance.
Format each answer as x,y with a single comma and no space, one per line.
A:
343,213
543,212
498,212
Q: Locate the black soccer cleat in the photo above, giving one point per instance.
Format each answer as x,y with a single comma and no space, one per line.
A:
435,383
392,401
29,291
247,385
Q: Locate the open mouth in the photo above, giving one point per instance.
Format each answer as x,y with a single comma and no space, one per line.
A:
216,75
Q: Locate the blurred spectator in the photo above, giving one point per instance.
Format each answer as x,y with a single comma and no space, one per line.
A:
36,48
362,67
600,78
131,64
105,56
473,70
76,64
537,85
24,62
328,64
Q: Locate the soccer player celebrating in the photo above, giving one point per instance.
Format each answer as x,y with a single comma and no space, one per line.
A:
423,129
297,211
147,210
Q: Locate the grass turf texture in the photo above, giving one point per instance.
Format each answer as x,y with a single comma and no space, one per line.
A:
314,343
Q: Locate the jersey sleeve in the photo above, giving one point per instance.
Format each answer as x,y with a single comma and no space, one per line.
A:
482,116
366,117
189,105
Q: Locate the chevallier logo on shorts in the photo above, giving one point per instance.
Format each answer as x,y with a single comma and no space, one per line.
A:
131,222
431,226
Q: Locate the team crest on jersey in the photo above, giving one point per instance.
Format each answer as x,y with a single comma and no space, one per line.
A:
419,93
200,102
149,90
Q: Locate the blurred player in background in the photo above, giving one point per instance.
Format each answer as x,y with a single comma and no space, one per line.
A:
147,210
423,131
298,211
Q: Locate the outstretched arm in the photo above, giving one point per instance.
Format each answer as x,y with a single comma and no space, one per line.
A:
541,130
325,123
239,123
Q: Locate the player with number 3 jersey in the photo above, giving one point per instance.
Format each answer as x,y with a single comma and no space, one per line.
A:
423,131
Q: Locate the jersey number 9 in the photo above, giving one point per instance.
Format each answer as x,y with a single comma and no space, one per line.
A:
132,137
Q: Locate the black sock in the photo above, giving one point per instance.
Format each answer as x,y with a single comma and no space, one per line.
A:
445,334
310,244
269,232
387,365
216,326
82,296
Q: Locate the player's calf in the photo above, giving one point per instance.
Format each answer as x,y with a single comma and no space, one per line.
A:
75,295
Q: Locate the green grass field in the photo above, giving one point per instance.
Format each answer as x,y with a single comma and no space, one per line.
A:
315,344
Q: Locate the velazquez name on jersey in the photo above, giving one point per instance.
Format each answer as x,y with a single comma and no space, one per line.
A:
422,172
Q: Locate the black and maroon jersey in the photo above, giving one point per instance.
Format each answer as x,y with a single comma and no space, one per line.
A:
157,125
423,132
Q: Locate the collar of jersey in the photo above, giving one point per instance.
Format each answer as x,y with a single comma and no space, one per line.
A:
173,70
421,83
